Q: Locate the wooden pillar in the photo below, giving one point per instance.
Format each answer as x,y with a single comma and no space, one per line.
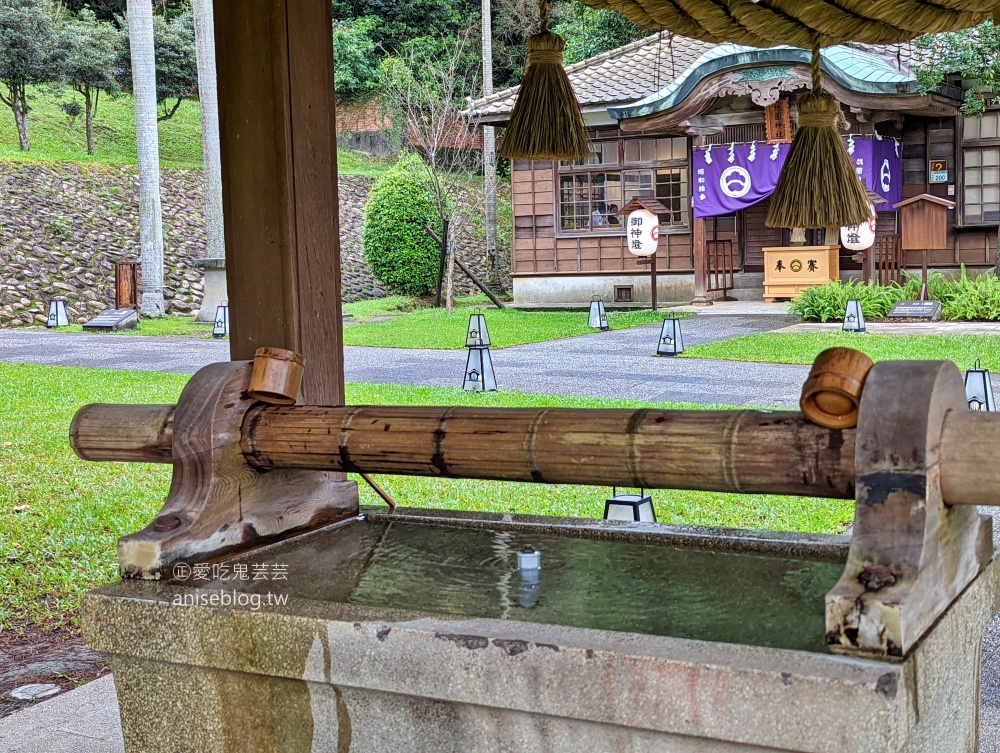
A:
279,177
700,264
699,248
652,279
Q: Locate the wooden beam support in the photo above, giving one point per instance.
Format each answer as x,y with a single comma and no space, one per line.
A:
279,165
911,554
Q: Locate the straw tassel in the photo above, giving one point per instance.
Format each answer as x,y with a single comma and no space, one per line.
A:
546,123
818,186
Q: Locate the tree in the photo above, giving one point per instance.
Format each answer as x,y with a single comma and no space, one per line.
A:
973,54
401,21
176,56
204,25
428,86
29,55
354,57
91,49
590,32
397,247
104,10
143,69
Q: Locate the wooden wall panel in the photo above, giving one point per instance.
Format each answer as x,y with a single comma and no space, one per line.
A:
757,236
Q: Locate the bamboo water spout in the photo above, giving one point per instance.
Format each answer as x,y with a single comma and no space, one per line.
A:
726,451
751,452
247,474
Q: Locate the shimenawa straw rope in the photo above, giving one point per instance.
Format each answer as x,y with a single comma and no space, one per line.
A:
546,122
818,186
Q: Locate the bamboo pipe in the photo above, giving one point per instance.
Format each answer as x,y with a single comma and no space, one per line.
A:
124,433
735,451
705,450
970,443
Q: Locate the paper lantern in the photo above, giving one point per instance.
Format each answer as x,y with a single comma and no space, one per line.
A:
57,314
671,341
979,389
221,327
643,229
859,237
635,507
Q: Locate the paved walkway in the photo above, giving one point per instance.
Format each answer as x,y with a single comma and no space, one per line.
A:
84,720
618,364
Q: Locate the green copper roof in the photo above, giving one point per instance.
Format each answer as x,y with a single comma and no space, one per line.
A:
852,68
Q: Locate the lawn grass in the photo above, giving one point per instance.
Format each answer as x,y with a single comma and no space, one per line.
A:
391,305
802,347
350,162
60,517
167,326
54,138
433,328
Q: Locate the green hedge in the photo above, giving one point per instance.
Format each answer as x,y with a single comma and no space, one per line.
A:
400,252
963,299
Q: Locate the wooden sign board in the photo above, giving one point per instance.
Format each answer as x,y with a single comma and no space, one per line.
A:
113,320
938,170
923,222
930,310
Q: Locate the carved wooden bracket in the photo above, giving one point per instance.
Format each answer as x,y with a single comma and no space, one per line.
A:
911,554
218,504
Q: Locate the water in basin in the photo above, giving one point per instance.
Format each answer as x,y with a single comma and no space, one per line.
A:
617,585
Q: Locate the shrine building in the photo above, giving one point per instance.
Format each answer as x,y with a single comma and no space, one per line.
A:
705,129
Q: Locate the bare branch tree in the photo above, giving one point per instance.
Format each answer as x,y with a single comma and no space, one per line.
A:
427,87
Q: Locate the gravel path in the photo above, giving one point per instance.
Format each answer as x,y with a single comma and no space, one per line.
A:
605,364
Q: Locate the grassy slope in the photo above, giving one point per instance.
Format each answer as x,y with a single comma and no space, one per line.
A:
772,347
60,517
54,139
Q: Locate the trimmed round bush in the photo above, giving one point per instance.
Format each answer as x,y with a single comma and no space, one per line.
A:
399,251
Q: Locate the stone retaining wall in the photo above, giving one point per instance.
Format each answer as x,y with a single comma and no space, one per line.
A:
63,225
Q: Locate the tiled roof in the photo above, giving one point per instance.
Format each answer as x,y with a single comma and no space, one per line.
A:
857,69
622,75
636,71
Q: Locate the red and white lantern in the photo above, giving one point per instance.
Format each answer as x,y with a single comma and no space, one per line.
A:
643,232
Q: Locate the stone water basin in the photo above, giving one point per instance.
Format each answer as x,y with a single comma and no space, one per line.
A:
416,632
757,594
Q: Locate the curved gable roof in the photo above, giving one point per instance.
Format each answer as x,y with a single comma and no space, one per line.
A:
854,69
